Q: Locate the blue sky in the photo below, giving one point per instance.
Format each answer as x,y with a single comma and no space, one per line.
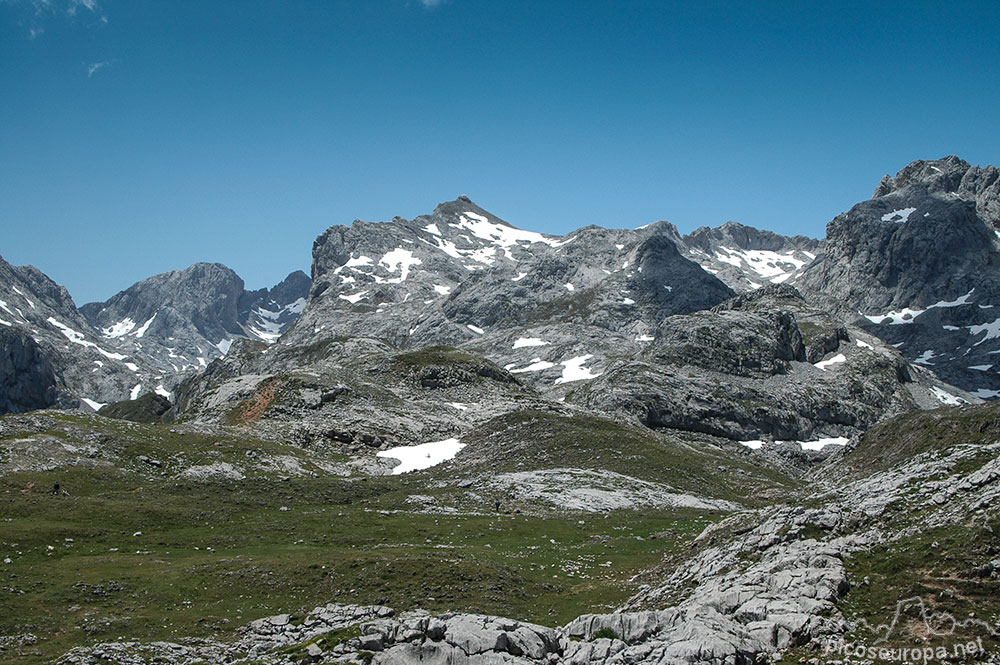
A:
139,136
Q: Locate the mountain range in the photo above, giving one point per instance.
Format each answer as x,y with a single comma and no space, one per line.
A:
643,447
915,266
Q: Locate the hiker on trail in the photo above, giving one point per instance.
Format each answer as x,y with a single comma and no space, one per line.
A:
498,505
55,489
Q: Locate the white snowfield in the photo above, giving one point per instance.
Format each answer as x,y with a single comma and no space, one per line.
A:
500,235
123,327
96,406
816,444
946,397
77,338
907,314
353,298
899,216
774,266
422,456
823,364
573,370
537,365
991,329
529,341
399,260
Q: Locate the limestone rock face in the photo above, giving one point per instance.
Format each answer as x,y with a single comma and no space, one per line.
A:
919,265
47,334
179,321
27,380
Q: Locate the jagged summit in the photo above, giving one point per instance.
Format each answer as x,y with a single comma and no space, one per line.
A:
746,258
943,175
746,237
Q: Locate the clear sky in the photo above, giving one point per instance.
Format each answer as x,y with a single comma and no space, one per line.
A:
138,136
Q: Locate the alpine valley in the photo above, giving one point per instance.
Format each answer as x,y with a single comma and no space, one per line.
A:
458,441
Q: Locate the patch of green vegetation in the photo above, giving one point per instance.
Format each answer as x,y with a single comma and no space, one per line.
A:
605,633
547,440
938,573
810,331
972,463
571,308
326,642
309,354
142,554
148,408
434,356
899,439
812,531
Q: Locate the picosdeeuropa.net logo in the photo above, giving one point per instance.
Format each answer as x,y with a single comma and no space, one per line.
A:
953,639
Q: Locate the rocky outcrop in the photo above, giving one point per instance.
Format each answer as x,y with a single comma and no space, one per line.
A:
27,380
44,325
919,265
745,370
148,408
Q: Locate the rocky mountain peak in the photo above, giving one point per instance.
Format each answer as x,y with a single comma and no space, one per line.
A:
734,234
918,264
746,258
940,175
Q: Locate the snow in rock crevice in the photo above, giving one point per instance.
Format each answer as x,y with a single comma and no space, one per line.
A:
537,365
898,216
907,314
499,234
773,266
837,359
123,327
353,298
816,444
522,342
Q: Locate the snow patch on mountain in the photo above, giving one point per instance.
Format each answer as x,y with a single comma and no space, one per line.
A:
78,338
837,359
353,298
898,216
773,266
537,365
399,260
946,397
522,342
573,370
422,456
816,444
907,314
